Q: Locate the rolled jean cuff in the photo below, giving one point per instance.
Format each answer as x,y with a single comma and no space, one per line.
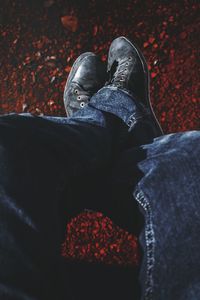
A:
118,102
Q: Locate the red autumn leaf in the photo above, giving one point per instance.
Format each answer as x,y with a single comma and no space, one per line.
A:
70,22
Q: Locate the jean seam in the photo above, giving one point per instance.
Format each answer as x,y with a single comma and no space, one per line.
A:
150,243
134,118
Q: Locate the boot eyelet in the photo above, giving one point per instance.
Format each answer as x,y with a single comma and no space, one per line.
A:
127,64
82,104
76,91
79,98
130,58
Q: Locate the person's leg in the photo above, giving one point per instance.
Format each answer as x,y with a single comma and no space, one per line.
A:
168,192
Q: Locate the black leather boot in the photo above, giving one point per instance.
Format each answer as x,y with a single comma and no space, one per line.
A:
128,70
87,76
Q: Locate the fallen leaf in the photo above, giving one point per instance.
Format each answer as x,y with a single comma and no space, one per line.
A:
70,22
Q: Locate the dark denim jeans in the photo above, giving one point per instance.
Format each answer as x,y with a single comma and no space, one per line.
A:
52,168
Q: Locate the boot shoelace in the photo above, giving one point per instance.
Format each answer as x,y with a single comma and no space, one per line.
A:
119,77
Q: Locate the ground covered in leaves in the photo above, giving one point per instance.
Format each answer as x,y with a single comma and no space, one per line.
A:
40,41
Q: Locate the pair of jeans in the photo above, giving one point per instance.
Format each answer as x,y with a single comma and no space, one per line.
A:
47,165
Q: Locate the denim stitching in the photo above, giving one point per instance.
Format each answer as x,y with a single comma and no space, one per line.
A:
150,243
136,116
133,119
